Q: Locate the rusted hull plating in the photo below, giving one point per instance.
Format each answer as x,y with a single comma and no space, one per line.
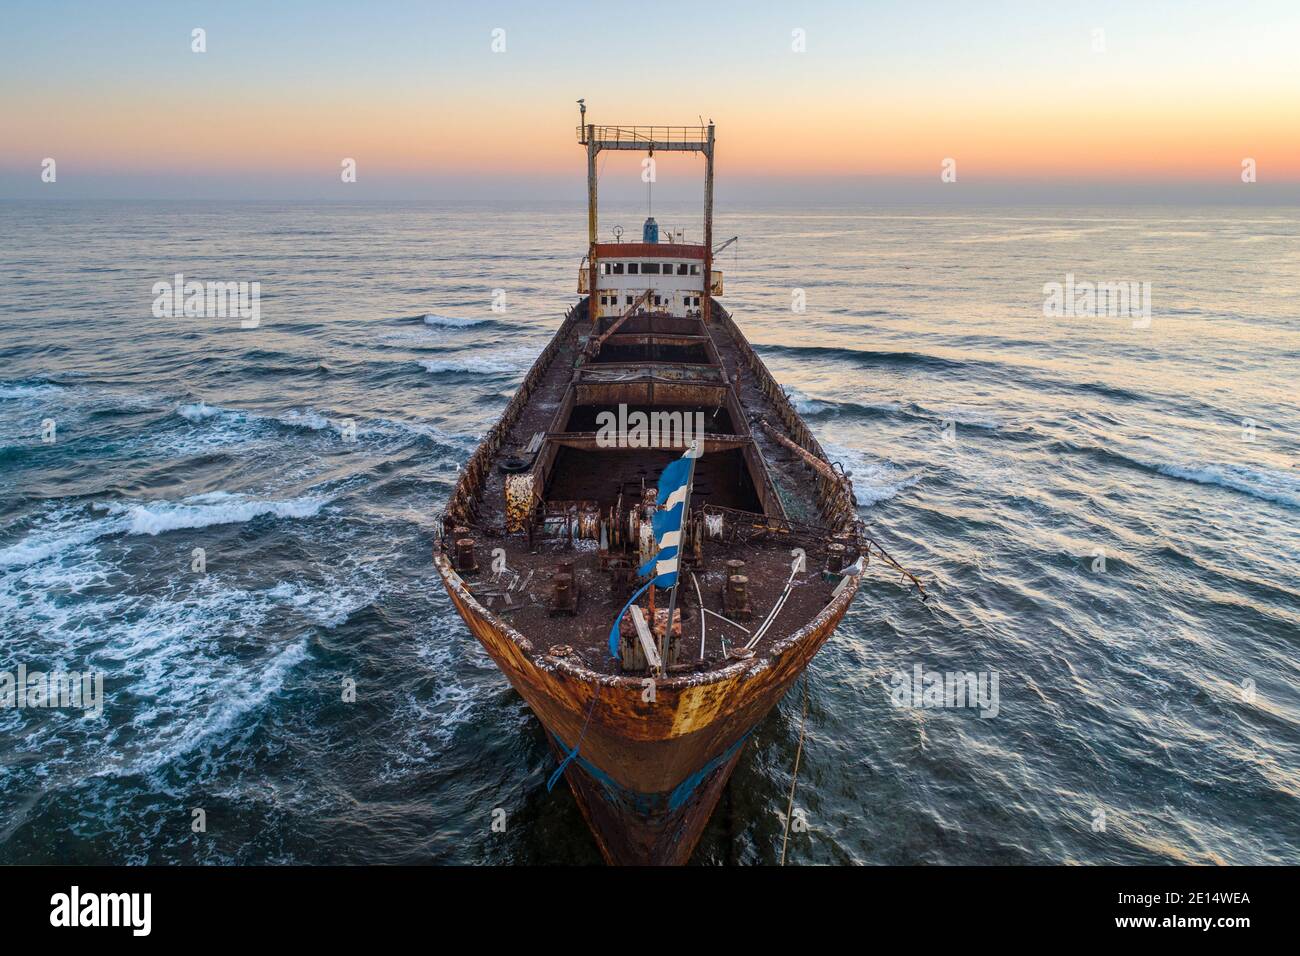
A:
648,773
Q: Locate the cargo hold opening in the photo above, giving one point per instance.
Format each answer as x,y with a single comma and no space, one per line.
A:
694,353
721,478
717,420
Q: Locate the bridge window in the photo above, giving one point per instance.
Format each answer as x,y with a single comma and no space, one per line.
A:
668,268
695,269
650,268
617,268
633,268
681,268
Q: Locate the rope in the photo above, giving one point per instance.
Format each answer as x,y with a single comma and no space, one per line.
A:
700,600
573,754
776,609
794,777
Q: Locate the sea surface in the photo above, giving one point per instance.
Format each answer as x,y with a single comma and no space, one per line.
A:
1106,512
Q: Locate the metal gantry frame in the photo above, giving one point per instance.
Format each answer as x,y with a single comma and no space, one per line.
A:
680,139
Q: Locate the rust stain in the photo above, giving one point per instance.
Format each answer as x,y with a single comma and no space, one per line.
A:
519,501
647,748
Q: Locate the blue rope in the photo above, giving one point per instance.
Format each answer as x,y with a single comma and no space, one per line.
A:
559,771
573,754
613,630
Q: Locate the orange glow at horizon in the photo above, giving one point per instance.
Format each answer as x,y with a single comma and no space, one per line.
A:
1012,91
906,136
996,142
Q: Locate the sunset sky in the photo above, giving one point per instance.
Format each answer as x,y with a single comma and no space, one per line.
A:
884,92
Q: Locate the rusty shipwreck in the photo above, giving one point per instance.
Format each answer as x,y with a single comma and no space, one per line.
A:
542,538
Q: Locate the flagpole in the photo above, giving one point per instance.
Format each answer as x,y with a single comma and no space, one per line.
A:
681,545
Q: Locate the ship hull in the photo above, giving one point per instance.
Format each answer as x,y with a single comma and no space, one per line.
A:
647,772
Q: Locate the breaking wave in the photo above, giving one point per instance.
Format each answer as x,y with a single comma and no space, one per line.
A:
294,418
452,321
18,390
1265,484
150,518
873,480
470,365
863,357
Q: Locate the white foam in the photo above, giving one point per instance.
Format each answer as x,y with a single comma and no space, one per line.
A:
1262,483
295,418
29,391
451,321
469,365
873,481
972,419
804,403
67,530
311,420
51,540
233,699
180,671
198,412
329,610
216,508
389,426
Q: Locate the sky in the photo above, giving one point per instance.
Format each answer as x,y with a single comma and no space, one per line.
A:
1027,99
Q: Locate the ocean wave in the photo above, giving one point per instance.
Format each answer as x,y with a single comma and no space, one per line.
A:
388,426
178,675
1265,484
819,408
19,390
452,321
863,357
971,418
190,660
470,365
238,696
1262,483
823,408
308,418
66,531
456,700
873,480
202,511
239,424
199,411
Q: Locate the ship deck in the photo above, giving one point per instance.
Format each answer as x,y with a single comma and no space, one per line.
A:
766,498
520,597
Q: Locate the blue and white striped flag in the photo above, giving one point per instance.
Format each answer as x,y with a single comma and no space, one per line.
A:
667,523
667,526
